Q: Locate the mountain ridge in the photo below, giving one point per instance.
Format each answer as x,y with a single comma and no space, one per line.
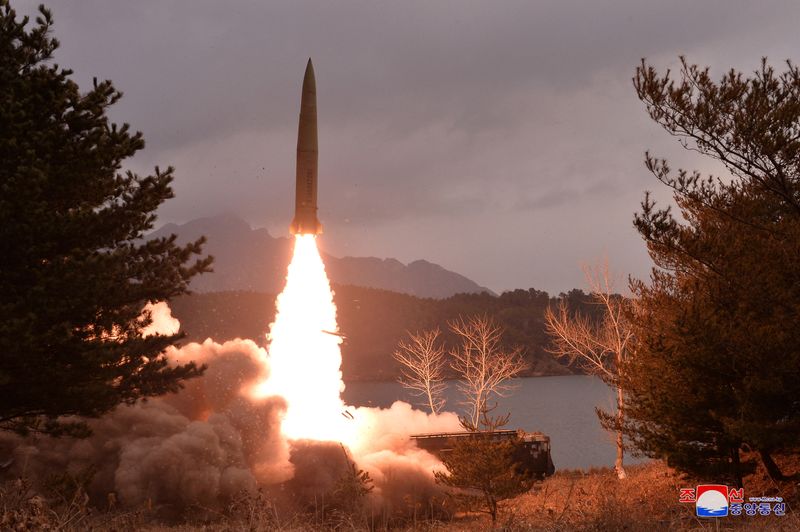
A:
247,258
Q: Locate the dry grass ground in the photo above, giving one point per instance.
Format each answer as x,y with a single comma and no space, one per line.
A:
570,500
647,500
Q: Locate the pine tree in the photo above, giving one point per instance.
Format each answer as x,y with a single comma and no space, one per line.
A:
483,468
718,365
75,273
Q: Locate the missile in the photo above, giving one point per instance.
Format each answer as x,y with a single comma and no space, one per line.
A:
305,201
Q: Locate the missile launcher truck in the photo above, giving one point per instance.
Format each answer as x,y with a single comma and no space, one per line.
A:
532,450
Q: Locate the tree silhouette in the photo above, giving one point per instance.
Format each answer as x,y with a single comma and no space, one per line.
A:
75,273
718,359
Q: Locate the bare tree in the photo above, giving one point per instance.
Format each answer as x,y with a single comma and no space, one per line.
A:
422,361
599,347
482,363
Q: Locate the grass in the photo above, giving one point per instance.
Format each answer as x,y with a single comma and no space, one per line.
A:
570,500
647,500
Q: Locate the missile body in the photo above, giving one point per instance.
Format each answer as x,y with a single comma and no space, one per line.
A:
305,205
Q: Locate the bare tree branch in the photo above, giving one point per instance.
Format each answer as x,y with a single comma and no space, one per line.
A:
598,347
482,363
422,361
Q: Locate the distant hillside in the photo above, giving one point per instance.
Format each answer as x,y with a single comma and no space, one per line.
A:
373,321
251,259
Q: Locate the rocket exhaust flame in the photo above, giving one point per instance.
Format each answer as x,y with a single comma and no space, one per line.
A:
304,357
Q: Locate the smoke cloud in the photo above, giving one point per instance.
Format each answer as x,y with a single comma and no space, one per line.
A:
215,439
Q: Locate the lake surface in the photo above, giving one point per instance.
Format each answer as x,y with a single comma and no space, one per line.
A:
561,407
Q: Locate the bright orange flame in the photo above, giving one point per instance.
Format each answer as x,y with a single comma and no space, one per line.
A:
304,357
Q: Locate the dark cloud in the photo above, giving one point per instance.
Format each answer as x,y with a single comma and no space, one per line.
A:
436,118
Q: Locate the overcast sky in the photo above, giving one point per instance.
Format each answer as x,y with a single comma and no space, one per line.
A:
502,140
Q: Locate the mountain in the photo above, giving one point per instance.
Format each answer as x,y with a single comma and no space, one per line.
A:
252,259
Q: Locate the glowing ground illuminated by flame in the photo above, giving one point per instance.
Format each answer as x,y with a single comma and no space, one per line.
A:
304,357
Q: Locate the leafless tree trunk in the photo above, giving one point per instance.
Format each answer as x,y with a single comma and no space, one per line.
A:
482,363
422,361
598,347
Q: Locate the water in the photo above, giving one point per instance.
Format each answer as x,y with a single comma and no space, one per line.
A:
561,407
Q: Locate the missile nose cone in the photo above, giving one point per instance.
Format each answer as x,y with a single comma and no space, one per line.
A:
309,87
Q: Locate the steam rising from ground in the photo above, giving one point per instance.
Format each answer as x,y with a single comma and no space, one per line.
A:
254,419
